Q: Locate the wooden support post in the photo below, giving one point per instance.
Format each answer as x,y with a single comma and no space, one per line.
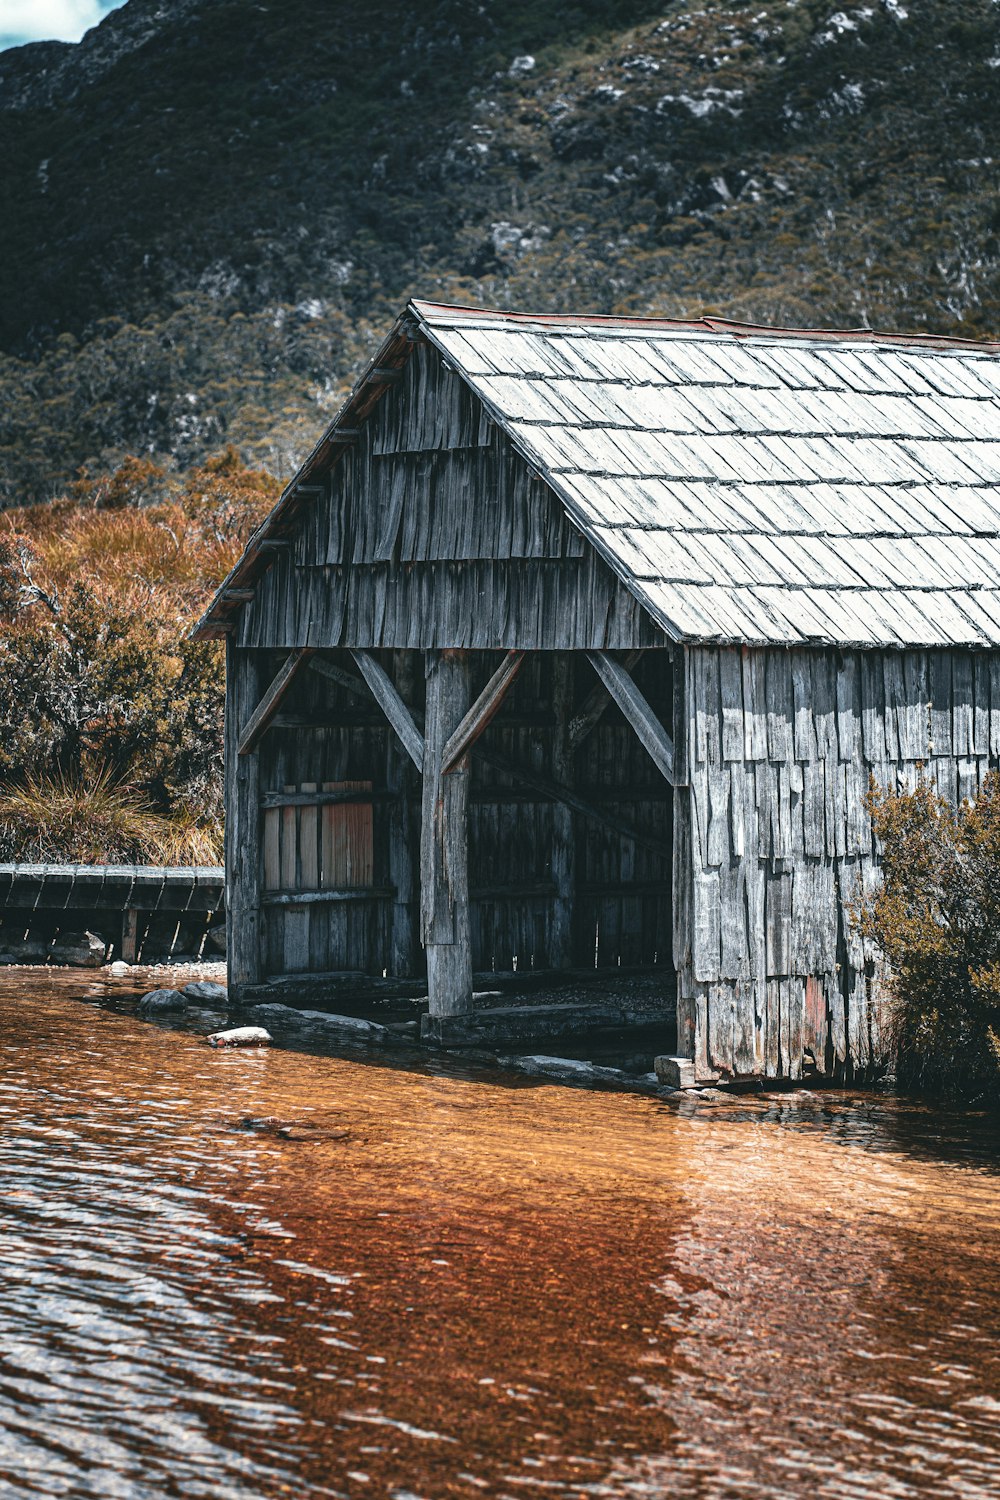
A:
444,854
130,936
652,735
482,711
243,870
401,787
561,945
268,705
388,699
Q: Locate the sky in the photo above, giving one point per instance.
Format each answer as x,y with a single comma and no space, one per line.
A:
49,20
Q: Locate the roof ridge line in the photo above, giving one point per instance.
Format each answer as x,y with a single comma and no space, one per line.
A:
708,323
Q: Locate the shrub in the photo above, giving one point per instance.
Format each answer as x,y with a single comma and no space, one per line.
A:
102,694
936,919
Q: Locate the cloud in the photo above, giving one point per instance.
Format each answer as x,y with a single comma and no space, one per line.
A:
49,20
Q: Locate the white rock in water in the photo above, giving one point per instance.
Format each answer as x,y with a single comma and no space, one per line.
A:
161,1002
241,1036
119,966
564,1068
204,989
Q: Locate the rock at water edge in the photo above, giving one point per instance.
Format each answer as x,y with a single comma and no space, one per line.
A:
215,939
161,1003
317,1025
80,950
675,1072
204,989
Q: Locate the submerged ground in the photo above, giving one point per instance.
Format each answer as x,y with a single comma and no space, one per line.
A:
436,1284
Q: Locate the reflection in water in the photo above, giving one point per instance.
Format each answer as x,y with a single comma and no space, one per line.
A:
442,1286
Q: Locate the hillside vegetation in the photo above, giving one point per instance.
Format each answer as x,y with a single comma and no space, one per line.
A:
110,717
211,210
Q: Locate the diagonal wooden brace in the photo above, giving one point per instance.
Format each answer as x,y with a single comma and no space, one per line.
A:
386,695
268,705
479,715
592,709
637,711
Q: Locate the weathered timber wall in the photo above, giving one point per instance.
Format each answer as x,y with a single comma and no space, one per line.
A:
334,856
773,838
430,531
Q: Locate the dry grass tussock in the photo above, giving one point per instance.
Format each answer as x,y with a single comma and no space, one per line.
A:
94,821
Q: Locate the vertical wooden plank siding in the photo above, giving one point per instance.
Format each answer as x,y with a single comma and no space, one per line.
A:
773,841
242,823
396,556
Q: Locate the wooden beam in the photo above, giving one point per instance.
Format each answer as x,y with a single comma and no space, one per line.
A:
328,896
383,375
405,956
637,711
559,793
482,711
321,799
332,673
444,838
268,705
593,706
389,701
239,596
679,709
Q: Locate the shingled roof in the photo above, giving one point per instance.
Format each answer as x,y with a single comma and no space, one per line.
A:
747,484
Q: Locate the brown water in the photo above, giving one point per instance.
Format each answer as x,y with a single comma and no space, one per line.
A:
454,1286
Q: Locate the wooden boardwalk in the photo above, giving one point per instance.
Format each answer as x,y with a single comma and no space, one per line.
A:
133,891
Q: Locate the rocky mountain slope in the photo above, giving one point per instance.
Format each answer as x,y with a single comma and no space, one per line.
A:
211,209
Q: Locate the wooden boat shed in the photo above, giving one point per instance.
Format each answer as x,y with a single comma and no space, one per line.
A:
576,641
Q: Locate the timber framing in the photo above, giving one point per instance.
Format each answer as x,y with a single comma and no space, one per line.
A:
593,708
714,578
482,711
268,705
637,711
387,696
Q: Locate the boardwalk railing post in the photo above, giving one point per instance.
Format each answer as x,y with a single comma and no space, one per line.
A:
444,841
130,935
